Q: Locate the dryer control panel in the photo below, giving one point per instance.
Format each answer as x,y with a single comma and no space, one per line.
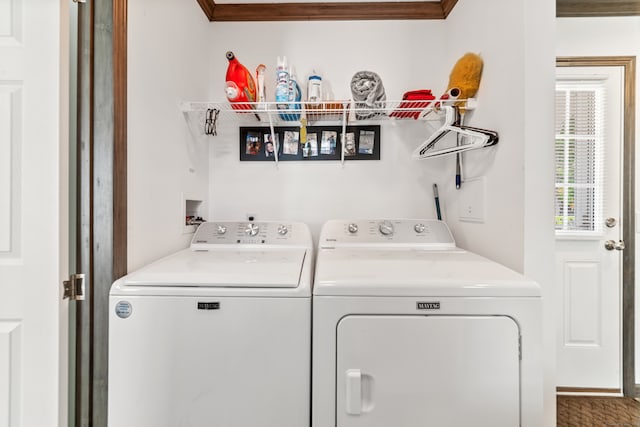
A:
251,233
390,232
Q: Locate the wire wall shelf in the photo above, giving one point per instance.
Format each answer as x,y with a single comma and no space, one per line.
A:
209,115
291,113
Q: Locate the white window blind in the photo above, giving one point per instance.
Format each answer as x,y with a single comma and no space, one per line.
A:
579,156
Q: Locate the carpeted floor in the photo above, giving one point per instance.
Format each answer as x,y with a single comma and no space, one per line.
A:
587,411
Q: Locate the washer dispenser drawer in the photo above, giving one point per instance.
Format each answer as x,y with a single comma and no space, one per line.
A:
419,371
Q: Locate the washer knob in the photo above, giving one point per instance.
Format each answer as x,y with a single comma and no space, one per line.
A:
353,228
222,229
386,228
419,228
282,230
252,229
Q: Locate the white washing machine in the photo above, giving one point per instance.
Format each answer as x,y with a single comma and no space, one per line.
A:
411,331
217,334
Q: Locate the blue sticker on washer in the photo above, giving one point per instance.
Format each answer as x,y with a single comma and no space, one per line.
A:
123,309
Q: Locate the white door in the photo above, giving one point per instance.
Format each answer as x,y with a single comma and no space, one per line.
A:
589,139
427,371
33,211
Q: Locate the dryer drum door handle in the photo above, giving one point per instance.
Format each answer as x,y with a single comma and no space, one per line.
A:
359,392
354,391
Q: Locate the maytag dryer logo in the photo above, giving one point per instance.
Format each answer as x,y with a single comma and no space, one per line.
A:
428,305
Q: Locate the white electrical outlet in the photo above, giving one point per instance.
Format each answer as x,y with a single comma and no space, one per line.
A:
471,200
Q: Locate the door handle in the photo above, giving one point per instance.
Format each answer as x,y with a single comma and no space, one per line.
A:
354,391
359,392
612,244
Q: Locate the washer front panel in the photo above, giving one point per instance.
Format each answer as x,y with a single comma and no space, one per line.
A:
209,361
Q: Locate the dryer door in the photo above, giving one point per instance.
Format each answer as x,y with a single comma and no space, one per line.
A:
420,371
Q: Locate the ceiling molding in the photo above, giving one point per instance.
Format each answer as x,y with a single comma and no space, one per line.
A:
208,6
594,8
447,6
227,12
224,12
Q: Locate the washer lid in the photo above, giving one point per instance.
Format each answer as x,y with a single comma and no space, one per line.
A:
406,272
224,268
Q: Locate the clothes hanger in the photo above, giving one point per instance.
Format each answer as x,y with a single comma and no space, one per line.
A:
479,138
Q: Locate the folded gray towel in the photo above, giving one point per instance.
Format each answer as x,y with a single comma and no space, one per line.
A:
368,92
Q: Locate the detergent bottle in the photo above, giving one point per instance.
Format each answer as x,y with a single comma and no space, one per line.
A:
282,84
240,86
295,96
314,87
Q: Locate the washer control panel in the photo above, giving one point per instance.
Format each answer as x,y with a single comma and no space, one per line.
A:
251,233
398,232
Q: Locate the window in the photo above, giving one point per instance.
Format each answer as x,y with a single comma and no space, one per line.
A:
579,152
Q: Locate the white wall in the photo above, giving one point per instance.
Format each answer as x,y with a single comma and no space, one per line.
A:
500,108
606,37
168,61
314,192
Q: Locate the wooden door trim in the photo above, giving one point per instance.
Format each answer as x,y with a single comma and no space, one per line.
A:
101,193
120,252
592,390
576,8
628,63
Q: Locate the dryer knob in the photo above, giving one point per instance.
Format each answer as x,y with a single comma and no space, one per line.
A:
221,229
252,229
386,228
353,228
282,230
419,228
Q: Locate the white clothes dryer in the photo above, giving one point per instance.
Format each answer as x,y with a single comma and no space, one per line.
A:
411,331
216,334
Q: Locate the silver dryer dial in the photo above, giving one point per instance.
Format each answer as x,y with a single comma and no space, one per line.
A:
386,228
251,229
282,230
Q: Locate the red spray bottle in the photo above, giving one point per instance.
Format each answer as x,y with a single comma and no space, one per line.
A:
240,86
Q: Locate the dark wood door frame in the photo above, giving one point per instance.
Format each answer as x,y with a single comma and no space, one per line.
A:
101,196
120,137
595,8
628,63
